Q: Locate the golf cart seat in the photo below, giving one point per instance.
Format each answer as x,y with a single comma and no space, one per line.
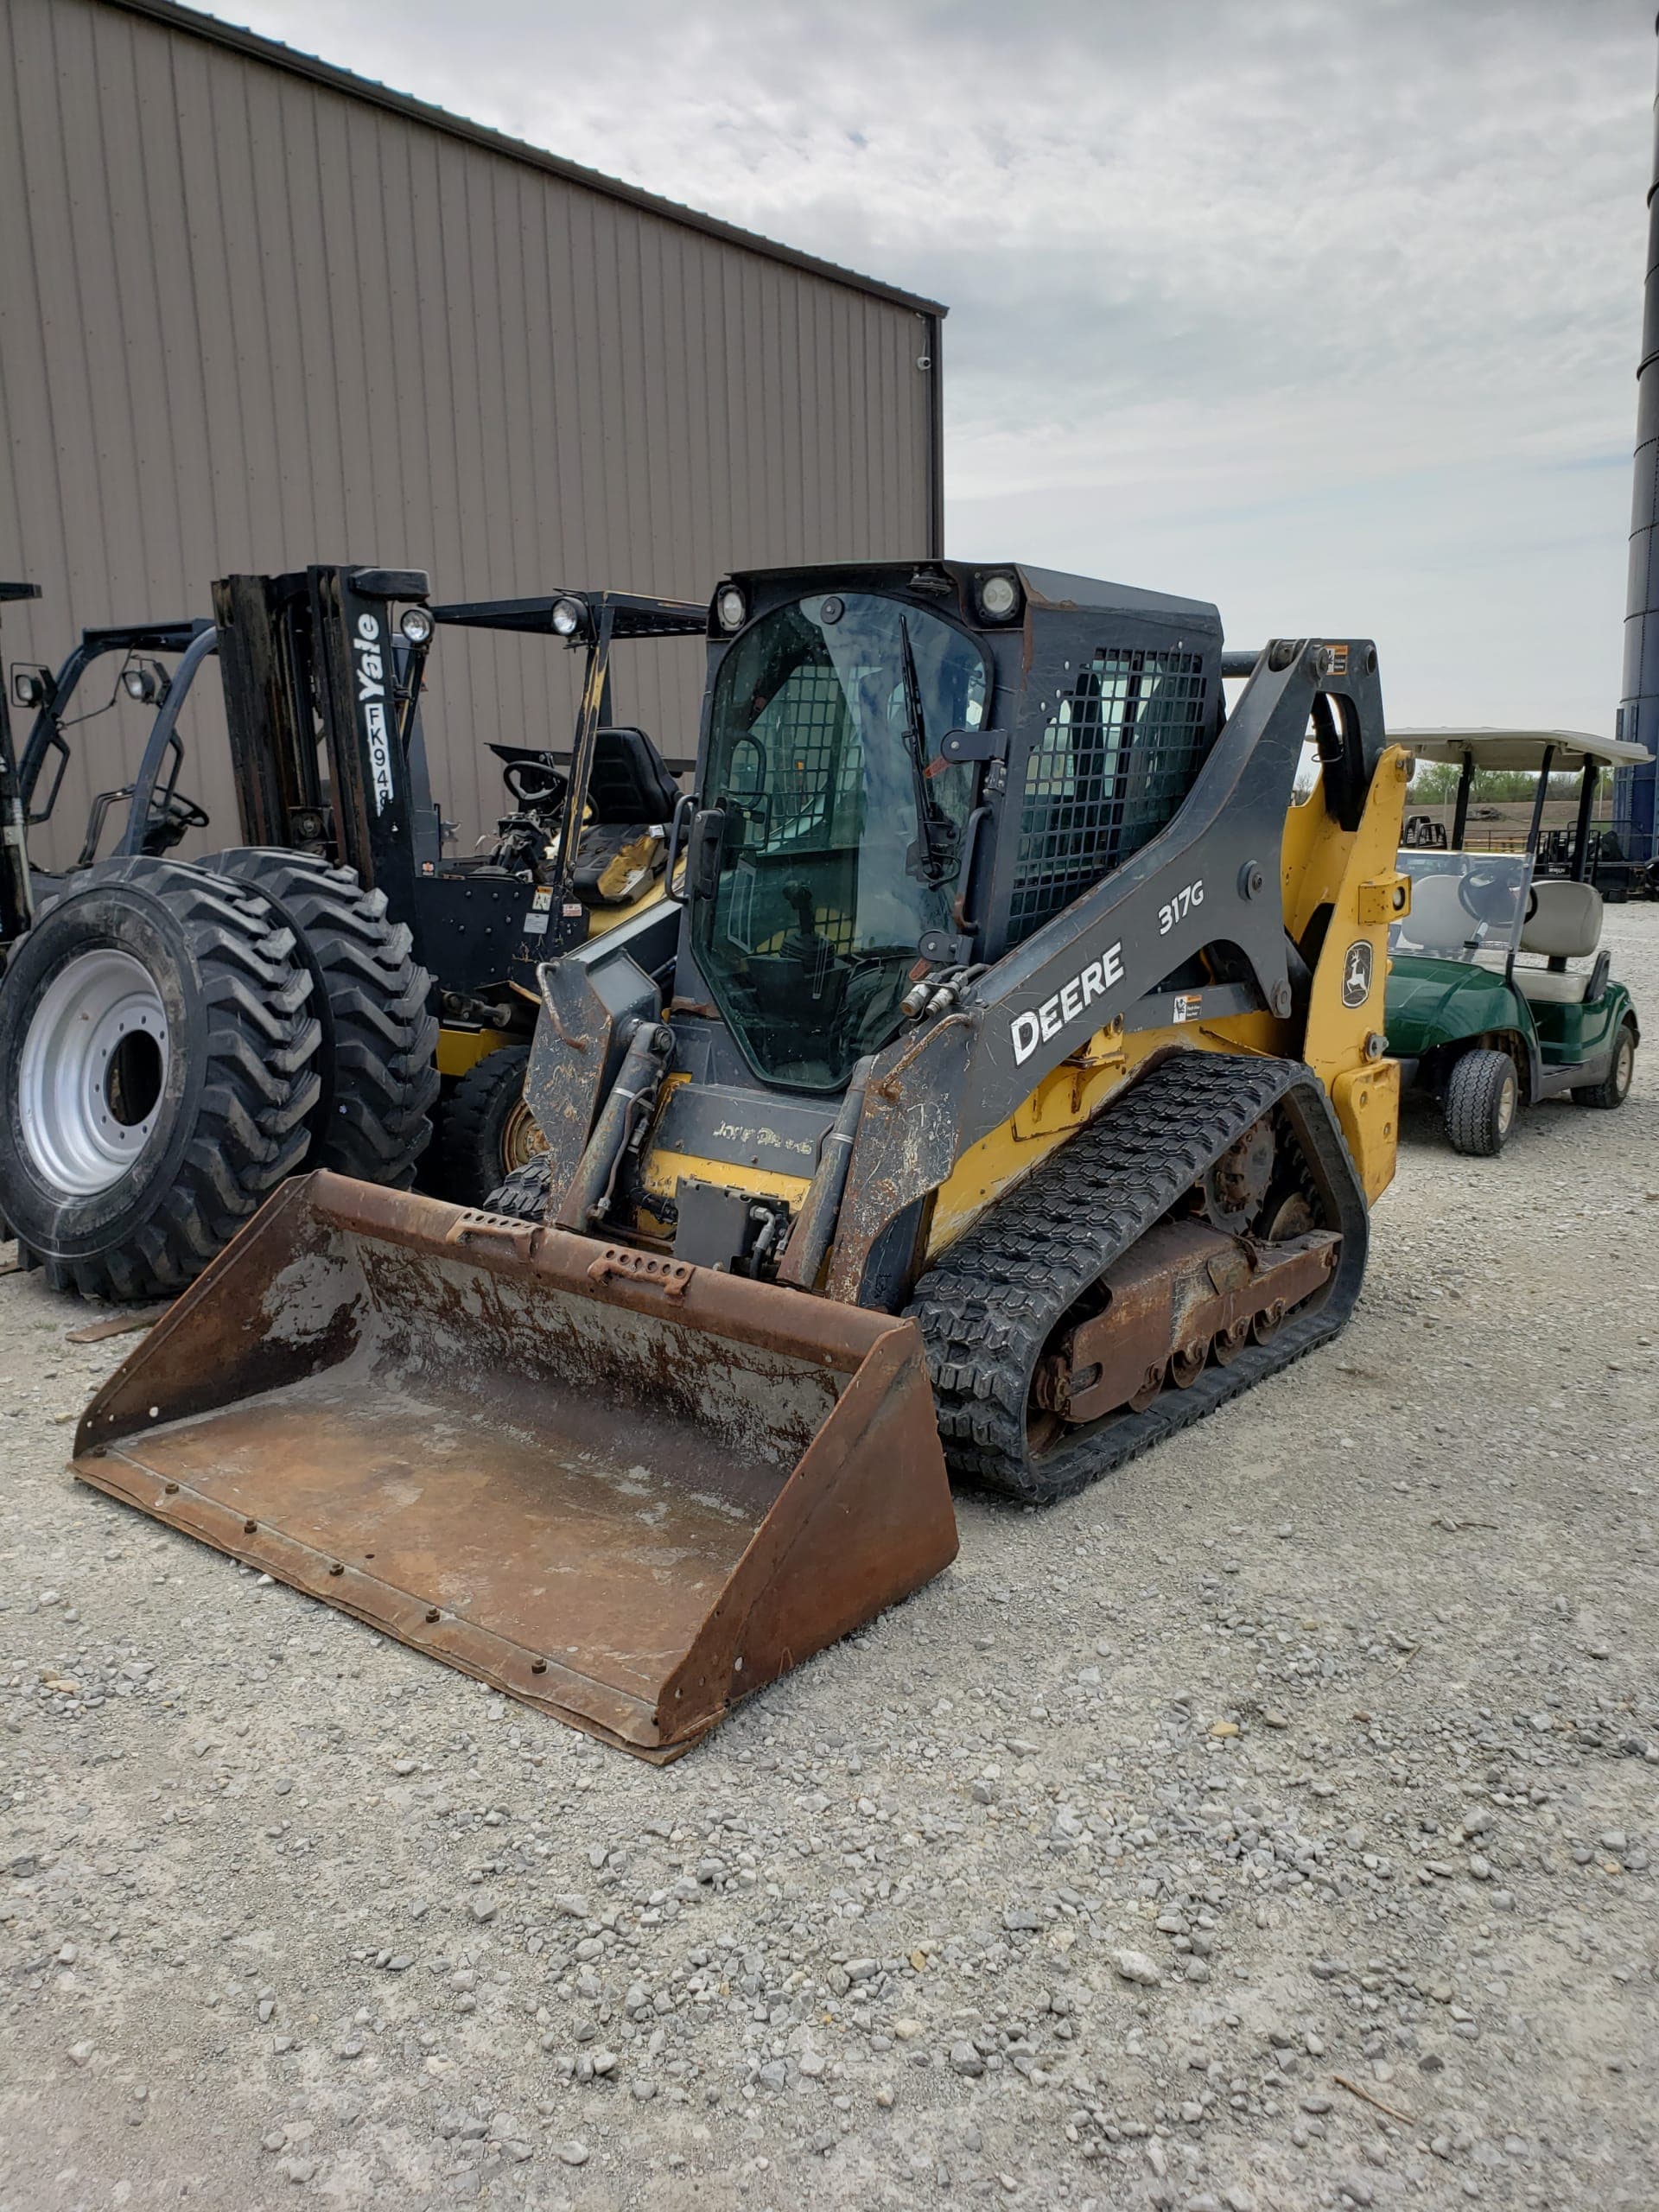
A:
1564,925
1437,915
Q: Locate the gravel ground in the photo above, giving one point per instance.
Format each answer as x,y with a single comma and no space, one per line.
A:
1270,1828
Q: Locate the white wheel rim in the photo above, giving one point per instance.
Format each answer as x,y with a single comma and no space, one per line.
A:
1625,1067
1506,1098
82,1130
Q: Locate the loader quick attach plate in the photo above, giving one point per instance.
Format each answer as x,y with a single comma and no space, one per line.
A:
623,1490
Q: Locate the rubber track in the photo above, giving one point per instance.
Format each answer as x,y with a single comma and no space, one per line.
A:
987,1310
381,1040
260,1084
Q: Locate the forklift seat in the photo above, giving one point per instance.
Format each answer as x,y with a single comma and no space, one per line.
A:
630,782
630,801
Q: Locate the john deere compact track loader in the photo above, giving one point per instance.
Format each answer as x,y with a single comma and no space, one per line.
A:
1003,1088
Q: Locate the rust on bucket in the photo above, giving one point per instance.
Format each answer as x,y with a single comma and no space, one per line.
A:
625,1490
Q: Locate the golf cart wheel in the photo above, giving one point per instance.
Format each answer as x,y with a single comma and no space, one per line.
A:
1615,1086
157,1048
488,1130
1482,1096
378,1061
524,1195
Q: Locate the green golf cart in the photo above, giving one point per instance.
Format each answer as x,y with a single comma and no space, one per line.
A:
1498,990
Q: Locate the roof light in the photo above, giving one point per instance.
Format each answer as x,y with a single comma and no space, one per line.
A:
569,618
731,608
998,597
416,625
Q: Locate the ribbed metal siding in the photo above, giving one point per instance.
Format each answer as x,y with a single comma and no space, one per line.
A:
248,320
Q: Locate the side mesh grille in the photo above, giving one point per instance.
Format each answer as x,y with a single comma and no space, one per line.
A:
1116,761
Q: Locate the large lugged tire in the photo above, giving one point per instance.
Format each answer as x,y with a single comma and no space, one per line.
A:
158,1066
487,1131
1615,1086
524,1195
1482,1096
378,1061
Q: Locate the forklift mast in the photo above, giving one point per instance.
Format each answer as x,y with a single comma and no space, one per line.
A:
322,671
320,697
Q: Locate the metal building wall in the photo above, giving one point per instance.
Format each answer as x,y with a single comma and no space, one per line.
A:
253,316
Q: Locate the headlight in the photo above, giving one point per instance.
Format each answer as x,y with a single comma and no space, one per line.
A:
148,681
416,623
998,598
569,618
731,608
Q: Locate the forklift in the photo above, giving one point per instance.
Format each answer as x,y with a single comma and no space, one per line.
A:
337,967
322,691
34,776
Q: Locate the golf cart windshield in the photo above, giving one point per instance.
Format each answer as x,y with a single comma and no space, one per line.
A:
841,840
1463,904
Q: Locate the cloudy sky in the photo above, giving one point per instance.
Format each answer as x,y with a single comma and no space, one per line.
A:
1325,309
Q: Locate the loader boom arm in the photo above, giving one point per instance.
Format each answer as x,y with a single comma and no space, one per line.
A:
1210,877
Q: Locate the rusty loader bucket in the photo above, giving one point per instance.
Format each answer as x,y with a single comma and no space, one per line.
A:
624,1490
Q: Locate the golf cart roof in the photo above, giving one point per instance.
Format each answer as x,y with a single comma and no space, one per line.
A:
1571,749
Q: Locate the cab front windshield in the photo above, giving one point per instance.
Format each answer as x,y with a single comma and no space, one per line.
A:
842,837
1463,904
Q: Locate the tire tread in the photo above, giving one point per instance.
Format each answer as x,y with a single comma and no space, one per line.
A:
1470,1105
260,1083
378,1063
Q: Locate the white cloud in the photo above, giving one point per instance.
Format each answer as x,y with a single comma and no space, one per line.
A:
1306,307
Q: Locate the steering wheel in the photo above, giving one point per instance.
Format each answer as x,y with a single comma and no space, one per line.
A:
171,817
536,784
1488,898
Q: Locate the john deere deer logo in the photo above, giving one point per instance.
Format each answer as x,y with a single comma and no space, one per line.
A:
1356,973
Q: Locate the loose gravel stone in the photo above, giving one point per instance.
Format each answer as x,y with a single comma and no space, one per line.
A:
1371,1804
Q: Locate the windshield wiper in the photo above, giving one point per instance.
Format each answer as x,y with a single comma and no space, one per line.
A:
932,858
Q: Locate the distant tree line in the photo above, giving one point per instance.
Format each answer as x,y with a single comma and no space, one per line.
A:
1435,783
